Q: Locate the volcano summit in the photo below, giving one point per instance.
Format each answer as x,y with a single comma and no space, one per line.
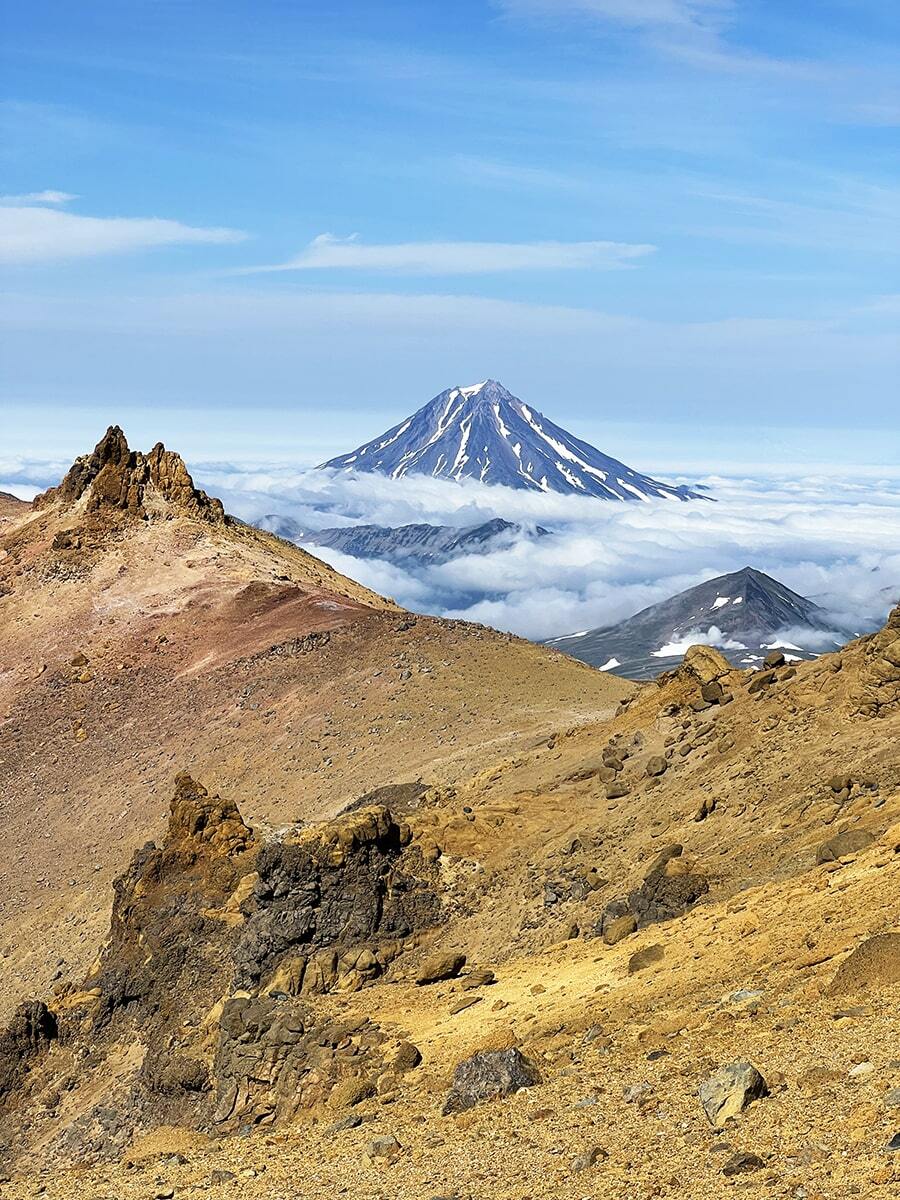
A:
484,432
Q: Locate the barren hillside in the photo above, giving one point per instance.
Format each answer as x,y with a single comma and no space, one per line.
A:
143,632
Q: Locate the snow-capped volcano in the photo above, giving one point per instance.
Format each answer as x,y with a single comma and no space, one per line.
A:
745,614
484,432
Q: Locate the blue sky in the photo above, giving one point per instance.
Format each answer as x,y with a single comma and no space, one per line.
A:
271,229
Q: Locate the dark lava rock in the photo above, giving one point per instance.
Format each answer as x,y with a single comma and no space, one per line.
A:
25,1039
742,1163
488,1076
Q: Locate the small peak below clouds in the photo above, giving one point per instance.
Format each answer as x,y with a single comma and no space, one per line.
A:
482,431
745,614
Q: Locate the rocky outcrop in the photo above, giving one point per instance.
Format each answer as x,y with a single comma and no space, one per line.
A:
168,946
671,886
113,477
274,1060
23,1042
878,694
205,993
331,905
489,1075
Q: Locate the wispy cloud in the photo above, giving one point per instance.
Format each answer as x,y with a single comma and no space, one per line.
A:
636,14
329,253
692,31
44,235
45,197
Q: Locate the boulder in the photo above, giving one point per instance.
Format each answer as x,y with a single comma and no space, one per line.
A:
850,841
618,928
729,1090
482,977
705,663
773,659
407,1058
712,692
641,959
441,966
743,1162
762,679
875,963
488,1076
657,765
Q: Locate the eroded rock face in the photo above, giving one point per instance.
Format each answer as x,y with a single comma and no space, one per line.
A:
25,1040
167,944
145,485
879,691
274,1060
201,1010
331,904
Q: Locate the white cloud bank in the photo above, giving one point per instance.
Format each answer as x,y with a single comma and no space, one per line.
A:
40,235
329,253
834,540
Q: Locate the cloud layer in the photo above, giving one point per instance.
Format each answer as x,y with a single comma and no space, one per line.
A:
836,541
329,253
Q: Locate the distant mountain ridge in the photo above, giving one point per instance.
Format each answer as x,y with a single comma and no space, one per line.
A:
742,613
406,545
484,432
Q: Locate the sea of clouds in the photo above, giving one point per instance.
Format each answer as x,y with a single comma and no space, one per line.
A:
834,539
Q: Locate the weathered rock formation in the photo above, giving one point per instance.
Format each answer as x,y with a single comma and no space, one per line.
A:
204,995
879,692
145,485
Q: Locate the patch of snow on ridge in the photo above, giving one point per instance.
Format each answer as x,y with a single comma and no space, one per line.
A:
721,601
608,666
695,637
778,644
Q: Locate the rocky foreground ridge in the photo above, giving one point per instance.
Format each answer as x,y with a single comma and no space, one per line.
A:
428,911
653,956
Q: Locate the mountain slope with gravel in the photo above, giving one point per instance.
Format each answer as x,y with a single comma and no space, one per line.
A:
642,948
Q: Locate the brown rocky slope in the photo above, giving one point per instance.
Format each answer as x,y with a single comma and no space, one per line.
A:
672,933
143,632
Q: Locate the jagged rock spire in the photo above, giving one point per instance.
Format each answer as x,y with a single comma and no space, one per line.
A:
113,476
